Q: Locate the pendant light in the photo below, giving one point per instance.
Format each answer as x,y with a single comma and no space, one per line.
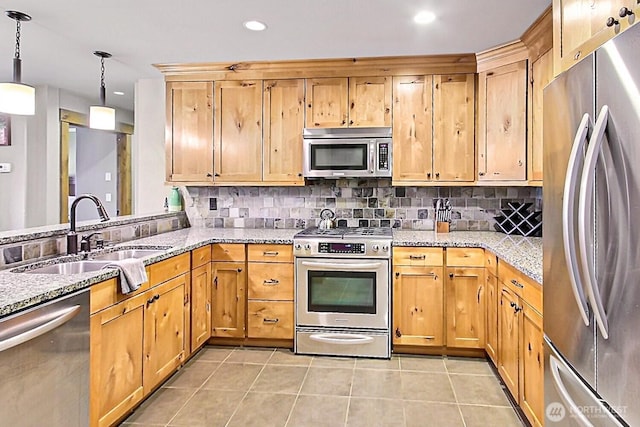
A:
16,97
101,116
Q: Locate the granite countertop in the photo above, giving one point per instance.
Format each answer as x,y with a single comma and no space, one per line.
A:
19,290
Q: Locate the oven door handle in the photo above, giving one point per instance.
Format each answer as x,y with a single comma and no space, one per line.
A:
343,266
344,339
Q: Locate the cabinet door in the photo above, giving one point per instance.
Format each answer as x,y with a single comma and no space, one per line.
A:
189,132
465,293
532,366
509,340
283,122
327,103
418,310
541,75
201,283
116,360
412,129
454,127
574,23
369,101
491,345
164,330
238,131
228,299
502,136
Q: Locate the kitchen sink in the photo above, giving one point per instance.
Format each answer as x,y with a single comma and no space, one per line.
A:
72,267
128,253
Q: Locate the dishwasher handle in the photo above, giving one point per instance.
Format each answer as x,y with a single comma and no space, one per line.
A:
44,324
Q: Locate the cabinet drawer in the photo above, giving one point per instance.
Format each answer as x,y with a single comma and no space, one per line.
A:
270,253
200,256
228,252
511,278
107,293
418,256
270,281
169,268
491,262
465,257
268,319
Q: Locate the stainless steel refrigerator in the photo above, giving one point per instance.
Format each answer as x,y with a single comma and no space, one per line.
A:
591,235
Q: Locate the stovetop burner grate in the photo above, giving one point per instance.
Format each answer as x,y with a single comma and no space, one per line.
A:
351,232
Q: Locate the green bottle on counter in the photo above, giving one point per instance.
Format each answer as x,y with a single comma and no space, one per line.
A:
175,200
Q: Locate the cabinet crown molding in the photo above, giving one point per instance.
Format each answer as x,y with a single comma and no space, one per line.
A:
501,55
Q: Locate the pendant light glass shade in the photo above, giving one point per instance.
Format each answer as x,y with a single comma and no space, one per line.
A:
17,98
102,117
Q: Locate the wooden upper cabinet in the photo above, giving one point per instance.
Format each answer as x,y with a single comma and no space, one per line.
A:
541,76
502,134
238,131
369,101
412,128
453,127
327,103
189,132
283,122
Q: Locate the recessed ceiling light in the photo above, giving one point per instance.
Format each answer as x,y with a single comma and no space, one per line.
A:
117,92
424,17
255,25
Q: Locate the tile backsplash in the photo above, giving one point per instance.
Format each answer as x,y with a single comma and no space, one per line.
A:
355,202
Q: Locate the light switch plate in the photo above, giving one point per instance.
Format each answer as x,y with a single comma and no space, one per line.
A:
5,167
107,197
107,176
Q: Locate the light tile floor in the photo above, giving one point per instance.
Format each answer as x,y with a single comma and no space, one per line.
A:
273,387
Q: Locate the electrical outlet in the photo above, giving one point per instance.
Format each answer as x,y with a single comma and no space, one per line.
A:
5,167
213,203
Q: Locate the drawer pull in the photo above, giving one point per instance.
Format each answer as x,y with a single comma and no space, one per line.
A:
270,253
267,320
271,282
430,337
517,284
417,256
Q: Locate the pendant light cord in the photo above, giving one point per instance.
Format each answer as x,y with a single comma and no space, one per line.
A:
17,55
103,90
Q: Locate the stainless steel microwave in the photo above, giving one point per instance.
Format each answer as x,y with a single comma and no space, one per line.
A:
347,152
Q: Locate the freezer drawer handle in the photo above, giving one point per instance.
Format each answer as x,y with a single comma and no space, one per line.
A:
342,339
569,218
585,205
46,325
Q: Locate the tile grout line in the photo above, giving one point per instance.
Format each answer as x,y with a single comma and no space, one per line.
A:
199,388
353,379
298,394
404,407
455,395
264,365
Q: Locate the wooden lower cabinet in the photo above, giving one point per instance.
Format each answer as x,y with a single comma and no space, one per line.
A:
200,301
509,340
116,355
532,366
491,328
164,331
228,297
465,302
270,319
418,306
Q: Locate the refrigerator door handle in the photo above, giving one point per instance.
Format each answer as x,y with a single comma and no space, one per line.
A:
556,366
585,236
569,215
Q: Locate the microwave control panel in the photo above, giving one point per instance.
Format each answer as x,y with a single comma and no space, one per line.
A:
383,156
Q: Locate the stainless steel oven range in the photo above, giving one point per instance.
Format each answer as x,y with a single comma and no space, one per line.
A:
343,292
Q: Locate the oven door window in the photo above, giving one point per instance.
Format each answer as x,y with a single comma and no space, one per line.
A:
342,292
339,156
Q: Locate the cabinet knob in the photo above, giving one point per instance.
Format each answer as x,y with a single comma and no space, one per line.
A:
437,175
216,174
625,11
397,274
611,21
480,173
239,270
209,175
451,275
428,175
398,333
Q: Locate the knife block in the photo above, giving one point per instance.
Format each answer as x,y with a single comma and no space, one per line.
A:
442,227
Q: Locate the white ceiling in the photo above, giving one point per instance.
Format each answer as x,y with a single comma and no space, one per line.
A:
57,45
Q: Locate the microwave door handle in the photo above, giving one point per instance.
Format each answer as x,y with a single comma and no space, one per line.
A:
372,156
569,218
585,202
342,266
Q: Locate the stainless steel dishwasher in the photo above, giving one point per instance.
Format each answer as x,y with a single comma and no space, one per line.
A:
44,364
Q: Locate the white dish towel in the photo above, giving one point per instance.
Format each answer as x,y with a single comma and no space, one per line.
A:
132,273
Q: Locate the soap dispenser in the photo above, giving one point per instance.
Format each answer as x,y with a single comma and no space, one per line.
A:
175,200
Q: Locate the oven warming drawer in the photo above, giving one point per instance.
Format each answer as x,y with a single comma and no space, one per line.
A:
340,342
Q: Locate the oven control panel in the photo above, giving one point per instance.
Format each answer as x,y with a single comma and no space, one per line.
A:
341,248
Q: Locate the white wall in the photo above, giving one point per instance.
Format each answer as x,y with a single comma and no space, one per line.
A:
148,156
13,203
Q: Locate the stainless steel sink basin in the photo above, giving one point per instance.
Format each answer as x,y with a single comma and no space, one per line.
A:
128,253
72,267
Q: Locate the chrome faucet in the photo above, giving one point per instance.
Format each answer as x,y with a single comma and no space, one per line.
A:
72,236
